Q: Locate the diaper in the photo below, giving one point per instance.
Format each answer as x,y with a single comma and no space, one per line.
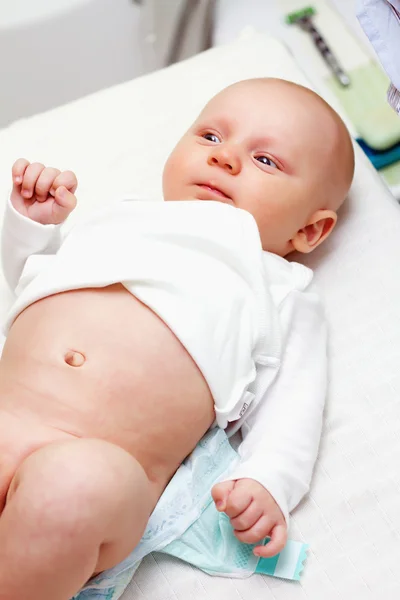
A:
186,524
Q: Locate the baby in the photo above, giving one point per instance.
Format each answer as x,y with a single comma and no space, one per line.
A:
153,321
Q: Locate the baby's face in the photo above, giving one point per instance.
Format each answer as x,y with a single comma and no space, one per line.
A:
264,146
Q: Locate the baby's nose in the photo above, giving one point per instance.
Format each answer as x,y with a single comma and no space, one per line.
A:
224,158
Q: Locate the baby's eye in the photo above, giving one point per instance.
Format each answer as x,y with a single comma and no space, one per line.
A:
212,138
266,161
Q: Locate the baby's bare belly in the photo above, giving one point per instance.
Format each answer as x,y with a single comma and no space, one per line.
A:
136,385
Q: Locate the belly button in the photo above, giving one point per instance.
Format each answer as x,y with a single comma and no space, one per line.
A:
74,358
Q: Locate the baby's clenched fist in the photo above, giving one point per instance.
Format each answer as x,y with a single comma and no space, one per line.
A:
43,194
253,514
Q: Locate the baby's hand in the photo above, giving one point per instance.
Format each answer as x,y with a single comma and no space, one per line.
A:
41,193
253,513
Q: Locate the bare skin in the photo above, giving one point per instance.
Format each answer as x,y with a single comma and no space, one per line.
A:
99,401
90,376
100,359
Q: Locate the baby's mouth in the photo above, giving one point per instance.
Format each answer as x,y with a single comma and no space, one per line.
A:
214,191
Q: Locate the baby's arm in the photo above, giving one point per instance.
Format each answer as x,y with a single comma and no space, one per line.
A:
41,199
281,437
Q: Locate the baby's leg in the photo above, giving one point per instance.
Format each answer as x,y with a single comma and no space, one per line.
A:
73,508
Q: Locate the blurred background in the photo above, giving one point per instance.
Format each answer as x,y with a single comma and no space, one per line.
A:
55,51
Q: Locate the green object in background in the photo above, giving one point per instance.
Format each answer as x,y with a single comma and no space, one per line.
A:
364,102
391,175
293,17
304,19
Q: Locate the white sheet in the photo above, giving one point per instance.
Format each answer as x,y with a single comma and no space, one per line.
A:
117,141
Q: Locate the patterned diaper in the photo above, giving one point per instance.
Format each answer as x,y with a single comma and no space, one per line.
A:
186,524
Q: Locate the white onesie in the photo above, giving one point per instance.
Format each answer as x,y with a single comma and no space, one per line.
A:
245,316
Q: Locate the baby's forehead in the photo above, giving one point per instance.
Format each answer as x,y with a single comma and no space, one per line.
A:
259,103
259,94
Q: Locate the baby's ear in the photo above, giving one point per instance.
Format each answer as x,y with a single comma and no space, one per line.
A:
318,228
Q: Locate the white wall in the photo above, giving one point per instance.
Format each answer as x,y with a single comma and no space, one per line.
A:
54,51
268,16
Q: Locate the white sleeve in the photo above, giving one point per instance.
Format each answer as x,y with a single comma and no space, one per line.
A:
21,238
281,436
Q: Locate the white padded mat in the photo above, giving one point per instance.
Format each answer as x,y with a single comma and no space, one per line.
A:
117,141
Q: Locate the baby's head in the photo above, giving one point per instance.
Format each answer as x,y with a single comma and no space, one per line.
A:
273,148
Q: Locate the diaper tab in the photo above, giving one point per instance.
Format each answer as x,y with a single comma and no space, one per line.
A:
288,564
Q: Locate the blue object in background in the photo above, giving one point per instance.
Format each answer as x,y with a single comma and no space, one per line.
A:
381,159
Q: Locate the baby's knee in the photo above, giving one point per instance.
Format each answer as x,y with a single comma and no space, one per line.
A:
77,484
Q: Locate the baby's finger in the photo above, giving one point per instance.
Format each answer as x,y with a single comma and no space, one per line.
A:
65,198
275,545
18,170
30,177
257,532
67,179
237,502
220,493
45,182
248,518
64,204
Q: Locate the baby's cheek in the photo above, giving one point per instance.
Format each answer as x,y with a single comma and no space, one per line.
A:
168,178
174,175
